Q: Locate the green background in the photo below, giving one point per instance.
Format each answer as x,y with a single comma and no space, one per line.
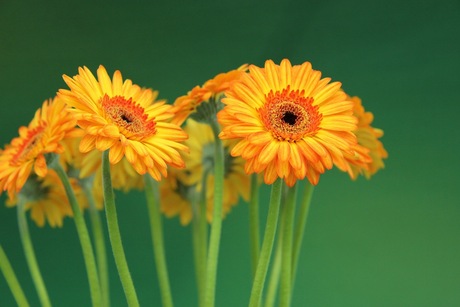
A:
390,241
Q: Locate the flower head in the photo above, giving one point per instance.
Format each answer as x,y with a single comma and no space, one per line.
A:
289,122
184,185
187,104
369,152
125,119
26,153
46,199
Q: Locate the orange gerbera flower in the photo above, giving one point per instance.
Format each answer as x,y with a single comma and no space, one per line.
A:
50,125
125,119
290,123
369,152
187,104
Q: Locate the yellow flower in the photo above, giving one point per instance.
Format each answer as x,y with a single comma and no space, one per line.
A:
46,199
184,184
125,119
369,152
50,125
290,123
187,104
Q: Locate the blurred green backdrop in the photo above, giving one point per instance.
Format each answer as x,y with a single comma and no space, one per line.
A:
391,241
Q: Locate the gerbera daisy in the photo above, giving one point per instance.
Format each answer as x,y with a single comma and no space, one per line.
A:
46,199
50,125
187,104
184,184
369,152
125,119
290,123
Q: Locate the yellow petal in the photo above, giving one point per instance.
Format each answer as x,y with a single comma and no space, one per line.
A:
87,143
268,153
103,143
110,130
104,81
295,157
116,153
40,167
283,152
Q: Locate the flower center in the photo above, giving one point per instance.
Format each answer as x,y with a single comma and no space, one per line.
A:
27,149
289,115
128,116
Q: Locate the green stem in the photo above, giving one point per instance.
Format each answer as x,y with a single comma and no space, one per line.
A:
200,238
199,264
99,244
267,245
286,266
83,235
30,255
204,228
11,280
300,227
254,235
114,234
156,226
275,269
216,226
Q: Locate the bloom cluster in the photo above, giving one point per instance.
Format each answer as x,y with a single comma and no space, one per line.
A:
279,122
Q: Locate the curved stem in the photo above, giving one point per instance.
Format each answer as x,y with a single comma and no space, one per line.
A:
286,266
29,253
300,227
153,202
267,245
11,280
254,232
99,244
216,226
83,235
114,234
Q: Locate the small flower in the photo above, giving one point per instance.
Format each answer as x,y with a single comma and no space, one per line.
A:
289,122
187,104
26,153
183,185
125,119
369,152
46,199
